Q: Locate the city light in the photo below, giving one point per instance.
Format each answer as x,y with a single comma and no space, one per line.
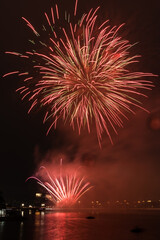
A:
38,194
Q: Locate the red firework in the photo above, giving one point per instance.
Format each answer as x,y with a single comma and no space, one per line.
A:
81,73
65,190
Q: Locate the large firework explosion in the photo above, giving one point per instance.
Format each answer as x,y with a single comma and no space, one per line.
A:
65,189
80,73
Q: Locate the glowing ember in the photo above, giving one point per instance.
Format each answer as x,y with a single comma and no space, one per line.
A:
81,73
64,190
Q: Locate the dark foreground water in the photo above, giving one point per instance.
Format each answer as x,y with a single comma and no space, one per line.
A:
107,225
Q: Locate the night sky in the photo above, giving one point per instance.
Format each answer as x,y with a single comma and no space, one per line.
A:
128,169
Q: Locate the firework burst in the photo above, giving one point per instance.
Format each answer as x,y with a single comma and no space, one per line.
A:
81,73
65,190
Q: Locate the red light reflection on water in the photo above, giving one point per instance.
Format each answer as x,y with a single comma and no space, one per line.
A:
58,225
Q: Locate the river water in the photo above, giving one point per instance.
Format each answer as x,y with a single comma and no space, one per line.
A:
74,225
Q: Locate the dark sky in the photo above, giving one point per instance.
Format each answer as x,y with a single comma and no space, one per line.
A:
128,169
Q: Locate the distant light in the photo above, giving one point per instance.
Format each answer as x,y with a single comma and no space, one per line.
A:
37,213
138,201
38,194
30,206
149,201
42,204
42,213
48,196
22,204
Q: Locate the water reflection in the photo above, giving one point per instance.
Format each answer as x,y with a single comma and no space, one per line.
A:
75,226
59,226
1,226
21,230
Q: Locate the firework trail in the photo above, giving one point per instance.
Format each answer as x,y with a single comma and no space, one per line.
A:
80,73
65,190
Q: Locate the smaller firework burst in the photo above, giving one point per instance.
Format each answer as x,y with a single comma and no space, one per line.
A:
65,190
